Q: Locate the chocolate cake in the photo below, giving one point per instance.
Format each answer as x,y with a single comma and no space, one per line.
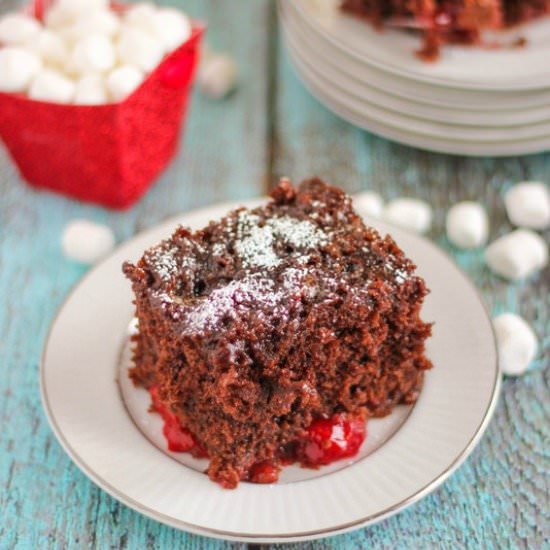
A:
270,336
447,21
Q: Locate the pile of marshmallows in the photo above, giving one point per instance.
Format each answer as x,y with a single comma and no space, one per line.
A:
85,53
514,256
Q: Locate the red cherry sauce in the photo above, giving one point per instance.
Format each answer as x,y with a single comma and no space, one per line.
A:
331,439
179,438
326,440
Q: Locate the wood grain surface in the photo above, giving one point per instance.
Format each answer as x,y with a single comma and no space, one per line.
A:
236,149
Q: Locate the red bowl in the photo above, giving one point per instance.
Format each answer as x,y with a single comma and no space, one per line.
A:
104,154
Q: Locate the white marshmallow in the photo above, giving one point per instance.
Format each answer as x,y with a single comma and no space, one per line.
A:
136,47
122,81
49,46
412,214
17,29
17,68
167,25
172,28
516,343
368,204
467,225
86,241
528,204
90,90
91,54
66,12
217,76
517,255
140,15
99,22
51,85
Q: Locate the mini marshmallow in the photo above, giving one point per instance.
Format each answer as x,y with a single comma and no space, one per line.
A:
17,29
66,12
140,15
86,241
412,214
171,27
517,255
100,22
217,76
368,204
136,47
168,26
91,54
90,90
516,342
467,225
528,204
122,81
50,48
51,85
17,68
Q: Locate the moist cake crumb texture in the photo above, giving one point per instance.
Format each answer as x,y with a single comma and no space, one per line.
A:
259,331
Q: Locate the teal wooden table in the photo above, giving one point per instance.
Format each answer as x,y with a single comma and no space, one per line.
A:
236,149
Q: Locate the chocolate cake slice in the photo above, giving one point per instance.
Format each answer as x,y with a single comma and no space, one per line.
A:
447,21
270,336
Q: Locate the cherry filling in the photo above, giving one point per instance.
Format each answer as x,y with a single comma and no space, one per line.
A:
326,440
179,439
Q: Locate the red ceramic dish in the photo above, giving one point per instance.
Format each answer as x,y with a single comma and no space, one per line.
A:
105,154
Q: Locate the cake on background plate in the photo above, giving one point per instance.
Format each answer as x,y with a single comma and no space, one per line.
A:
447,21
272,335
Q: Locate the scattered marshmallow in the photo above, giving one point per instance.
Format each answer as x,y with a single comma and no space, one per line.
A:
17,29
122,81
467,225
86,241
412,214
517,255
50,48
90,90
17,68
516,343
136,47
91,54
51,85
217,76
369,204
528,205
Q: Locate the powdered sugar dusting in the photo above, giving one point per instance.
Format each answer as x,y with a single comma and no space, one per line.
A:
252,293
162,259
255,242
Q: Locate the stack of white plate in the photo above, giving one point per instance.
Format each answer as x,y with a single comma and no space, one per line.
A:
472,101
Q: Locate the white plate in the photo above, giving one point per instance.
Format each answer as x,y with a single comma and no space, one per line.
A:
392,93
410,88
347,94
397,128
462,67
84,406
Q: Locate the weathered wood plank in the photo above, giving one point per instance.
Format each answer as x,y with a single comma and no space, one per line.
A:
45,502
499,498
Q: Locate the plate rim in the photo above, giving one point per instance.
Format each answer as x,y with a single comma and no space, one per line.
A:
258,537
